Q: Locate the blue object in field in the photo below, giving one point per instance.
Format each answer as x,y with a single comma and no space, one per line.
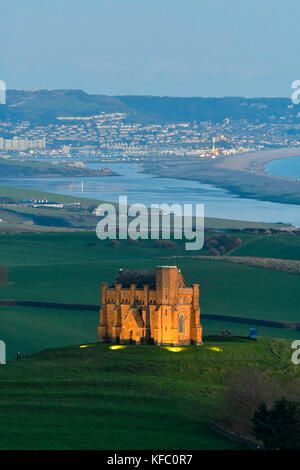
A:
252,333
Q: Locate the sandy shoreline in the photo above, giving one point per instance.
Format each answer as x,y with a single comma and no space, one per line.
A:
256,161
242,174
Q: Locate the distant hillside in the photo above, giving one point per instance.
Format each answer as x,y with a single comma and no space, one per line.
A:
46,105
31,169
43,106
204,109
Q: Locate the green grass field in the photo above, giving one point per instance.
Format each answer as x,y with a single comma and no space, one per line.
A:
140,397
276,246
17,194
30,330
70,268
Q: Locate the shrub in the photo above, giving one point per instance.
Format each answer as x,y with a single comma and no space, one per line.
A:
213,252
222,243
165,244
131,241
50,221
116,243
279,427
245,390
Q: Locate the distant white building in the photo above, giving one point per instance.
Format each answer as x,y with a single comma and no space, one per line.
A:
18,144
2,92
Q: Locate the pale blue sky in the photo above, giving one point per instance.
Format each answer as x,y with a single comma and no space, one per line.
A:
153,47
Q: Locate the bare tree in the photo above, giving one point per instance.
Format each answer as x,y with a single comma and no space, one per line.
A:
245,390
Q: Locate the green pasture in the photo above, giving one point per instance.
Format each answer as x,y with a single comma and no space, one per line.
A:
139,397
70,268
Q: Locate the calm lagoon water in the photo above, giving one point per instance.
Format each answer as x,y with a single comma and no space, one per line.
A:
148,189
289,167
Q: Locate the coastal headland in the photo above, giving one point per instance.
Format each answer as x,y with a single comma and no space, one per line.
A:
10,168
242,174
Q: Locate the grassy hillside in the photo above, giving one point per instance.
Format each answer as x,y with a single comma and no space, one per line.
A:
43,106
140,397
19,218
17,194
37,169
275,246
30,330
70,267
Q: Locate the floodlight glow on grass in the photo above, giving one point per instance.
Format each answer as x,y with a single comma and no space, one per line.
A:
213,348
174,349
84,346
117,346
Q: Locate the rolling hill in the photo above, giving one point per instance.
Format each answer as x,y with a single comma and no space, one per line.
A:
43,106
139,397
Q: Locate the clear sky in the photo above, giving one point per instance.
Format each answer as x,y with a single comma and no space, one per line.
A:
153,47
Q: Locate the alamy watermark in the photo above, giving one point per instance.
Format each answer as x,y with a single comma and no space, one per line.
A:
2,352
296,353
159,221
2,92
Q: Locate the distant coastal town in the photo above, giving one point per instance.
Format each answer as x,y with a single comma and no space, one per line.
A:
113,136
